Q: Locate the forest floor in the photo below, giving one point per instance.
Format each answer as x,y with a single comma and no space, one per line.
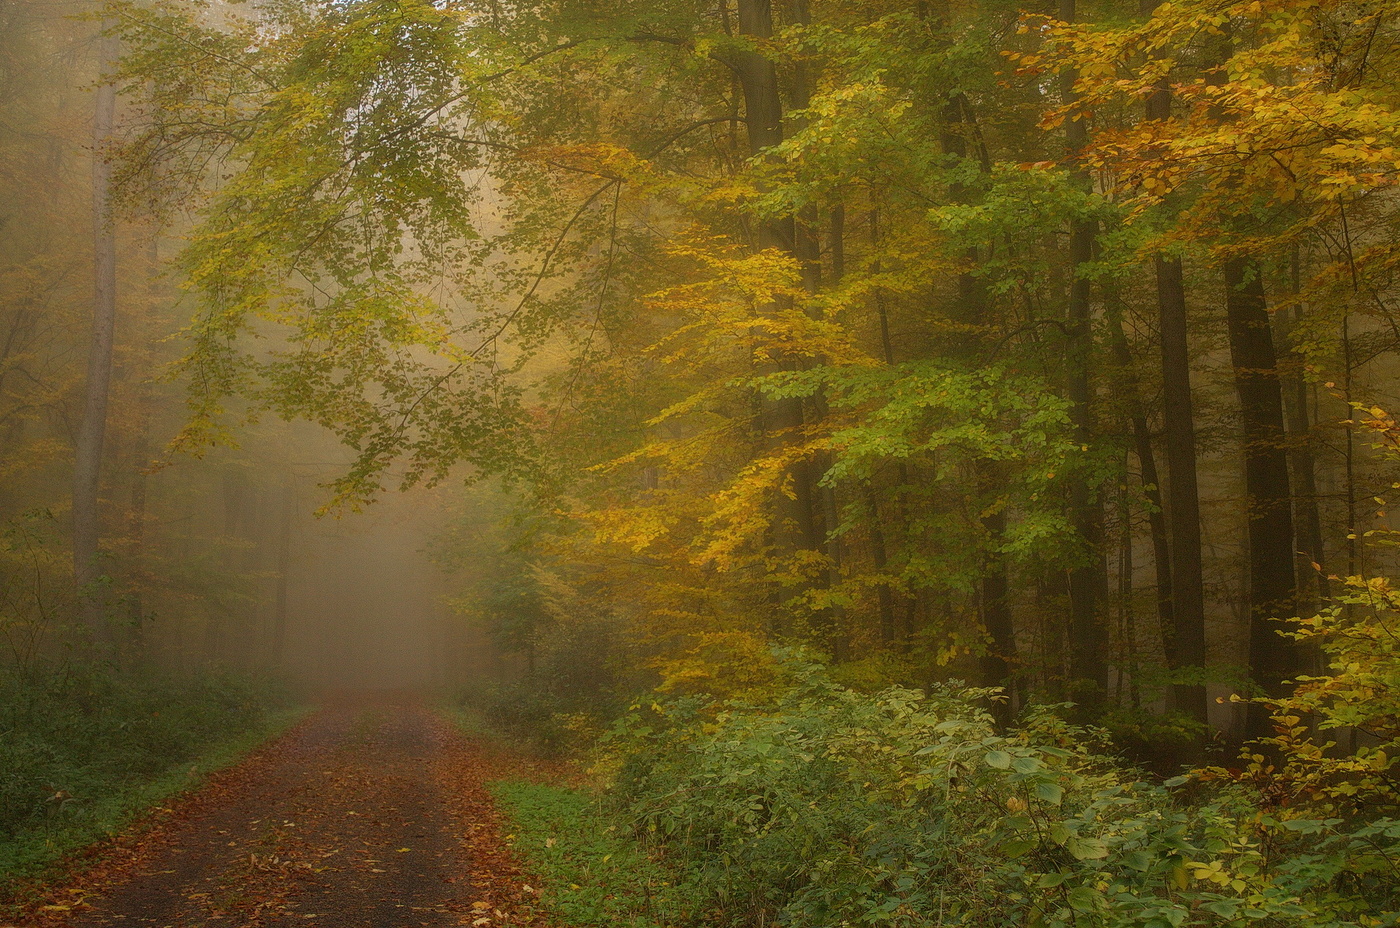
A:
371,813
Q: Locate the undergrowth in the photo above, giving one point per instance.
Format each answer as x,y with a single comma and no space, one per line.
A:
84,751
830,807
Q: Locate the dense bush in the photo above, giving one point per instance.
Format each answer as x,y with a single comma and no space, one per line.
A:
71,740
908,808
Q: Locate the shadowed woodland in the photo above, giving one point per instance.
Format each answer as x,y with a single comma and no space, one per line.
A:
928,462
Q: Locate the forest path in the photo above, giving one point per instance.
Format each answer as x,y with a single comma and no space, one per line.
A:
373,813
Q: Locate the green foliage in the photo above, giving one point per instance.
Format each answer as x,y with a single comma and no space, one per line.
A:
83,749
946,418
351,200
908,808
1357,702
592,872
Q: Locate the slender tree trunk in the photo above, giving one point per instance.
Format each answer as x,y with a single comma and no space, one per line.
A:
139,480
1188,629
994,593
903,634
880,557
1187,646
87,463
1087,580
1305,476
763,108
830,502
807,249
1127,630
1272,583
972,310
1147,465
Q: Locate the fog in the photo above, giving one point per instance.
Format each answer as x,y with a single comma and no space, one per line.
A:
365,602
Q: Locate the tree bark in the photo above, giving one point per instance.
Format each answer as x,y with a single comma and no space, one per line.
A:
1307,516
1272,582
1088,579
87,456
903,634
1188,628
1187,645
993,587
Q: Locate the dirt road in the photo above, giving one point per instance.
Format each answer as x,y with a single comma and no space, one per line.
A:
371,814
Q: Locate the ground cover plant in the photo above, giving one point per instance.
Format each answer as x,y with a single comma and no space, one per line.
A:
82,750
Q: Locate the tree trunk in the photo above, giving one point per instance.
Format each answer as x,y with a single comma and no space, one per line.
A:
87,452
880,557
1088,579
1187,647
972,310
994,593
797,517
140,453
1303,462
1272,583
903,634
1147,465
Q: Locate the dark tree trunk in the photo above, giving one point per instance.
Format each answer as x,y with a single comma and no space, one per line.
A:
830,501
972,310
1303,463
139,480
1272,583
1088,579
903,634
1187,644
994,592
880,556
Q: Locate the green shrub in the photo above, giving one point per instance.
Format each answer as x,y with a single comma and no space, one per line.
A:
907,808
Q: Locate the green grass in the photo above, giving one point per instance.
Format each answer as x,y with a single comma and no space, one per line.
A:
80,758
592,873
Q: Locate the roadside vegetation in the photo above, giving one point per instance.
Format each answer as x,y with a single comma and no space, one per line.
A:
828,806
85,751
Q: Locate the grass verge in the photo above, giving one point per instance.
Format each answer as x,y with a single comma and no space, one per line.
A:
30,856
592,873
